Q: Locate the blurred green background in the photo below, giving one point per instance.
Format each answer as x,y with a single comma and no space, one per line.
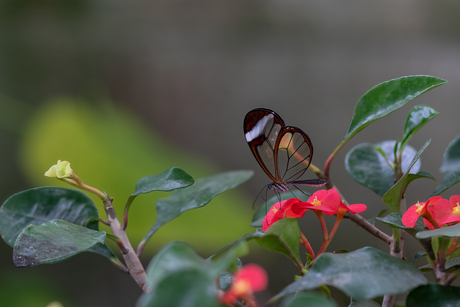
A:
125,89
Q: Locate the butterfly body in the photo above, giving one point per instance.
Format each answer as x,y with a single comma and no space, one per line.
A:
283,152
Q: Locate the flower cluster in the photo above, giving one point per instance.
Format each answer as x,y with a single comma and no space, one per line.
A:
322,201
436,212
249,279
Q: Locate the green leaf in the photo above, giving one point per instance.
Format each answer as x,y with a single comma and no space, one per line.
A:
412,177
450,265
364,303
308,299
451,157
387,97
392,198
173,257
247,237
367,166
450,178
433,295
39,205
52,242
418,255
394,220
171,179
382,274
418,116
450,231
195,196
178,276
283,237
184,288
258,217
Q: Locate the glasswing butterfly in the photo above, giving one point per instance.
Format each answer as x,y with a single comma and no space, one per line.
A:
283,152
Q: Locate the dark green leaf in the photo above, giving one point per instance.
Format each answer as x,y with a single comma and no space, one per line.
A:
450,231
382,274
368,166
418,116
451,157
394,220
195,196
412,177
450,178
53,241
39,205
392,198
171,179
387,97
283,237
308,299
434,295
258,217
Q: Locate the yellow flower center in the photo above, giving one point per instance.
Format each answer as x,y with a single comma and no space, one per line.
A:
274,210
316,202
419,207
456,210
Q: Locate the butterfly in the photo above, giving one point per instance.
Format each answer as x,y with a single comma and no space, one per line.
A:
283,152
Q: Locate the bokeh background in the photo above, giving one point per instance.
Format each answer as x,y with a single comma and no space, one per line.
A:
125,89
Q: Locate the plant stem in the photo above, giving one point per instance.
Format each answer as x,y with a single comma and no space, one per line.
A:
136,270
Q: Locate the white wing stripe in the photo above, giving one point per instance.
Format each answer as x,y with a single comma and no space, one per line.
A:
258,128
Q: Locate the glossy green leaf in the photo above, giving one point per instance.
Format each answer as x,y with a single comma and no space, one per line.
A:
417,256
308,299
418,116
382,274
387,97
39,205
178,276
450,231
451,157
53,241
195,196
450,178
392,198
184,288
434,295
367,166
258,217
283,237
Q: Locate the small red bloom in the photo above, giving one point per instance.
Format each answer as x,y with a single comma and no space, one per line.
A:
328,201
281,210
452,212
250,278
436,209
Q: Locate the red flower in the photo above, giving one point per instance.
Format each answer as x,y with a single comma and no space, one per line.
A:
434,212
248,279
328,201
281,210
452,212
